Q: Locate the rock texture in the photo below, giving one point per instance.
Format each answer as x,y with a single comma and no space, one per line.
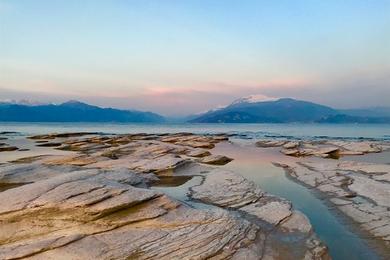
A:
229,190
325,149
359,190
216,159
96,203
91,214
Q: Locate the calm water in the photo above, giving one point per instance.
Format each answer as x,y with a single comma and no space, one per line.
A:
256,164
381,131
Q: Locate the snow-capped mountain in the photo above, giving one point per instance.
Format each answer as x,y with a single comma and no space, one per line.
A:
262,109
253,99
24,102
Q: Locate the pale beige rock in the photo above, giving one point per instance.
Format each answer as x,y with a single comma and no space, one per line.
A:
292,152
198,152
71,215
358,147
272,212
216,159
226,189
348,179
86,205
291,145
297,222
229,190
376,191
270,143
326,149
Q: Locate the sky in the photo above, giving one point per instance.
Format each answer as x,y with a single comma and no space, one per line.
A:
178,57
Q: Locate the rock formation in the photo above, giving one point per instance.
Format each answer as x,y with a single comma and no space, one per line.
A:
97,203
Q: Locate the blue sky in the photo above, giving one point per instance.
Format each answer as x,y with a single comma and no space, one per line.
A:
159,55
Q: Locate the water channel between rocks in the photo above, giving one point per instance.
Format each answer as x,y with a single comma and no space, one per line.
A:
255,164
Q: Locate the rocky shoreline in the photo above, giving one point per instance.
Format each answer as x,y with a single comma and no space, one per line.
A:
359,190
95,202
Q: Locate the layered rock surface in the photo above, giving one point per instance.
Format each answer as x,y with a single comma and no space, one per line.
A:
92,214
97,204
229,190
360,190
325,149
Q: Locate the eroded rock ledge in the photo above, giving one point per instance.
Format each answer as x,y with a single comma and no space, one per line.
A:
275,215
96,204
325,149
360,190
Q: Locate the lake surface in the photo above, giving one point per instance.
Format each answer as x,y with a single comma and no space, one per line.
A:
353,131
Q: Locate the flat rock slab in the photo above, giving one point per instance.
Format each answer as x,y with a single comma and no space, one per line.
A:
326,149
360,190
216,159
226,189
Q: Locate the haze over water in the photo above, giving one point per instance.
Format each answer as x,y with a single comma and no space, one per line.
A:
353,131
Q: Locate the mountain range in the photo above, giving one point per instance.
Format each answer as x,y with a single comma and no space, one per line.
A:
288,110
251,109
72,111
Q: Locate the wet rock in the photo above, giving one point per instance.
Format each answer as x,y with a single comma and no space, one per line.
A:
8,148
220,138
49,144
8,133
42,137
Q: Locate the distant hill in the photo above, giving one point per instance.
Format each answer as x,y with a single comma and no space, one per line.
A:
284,110
252,109
367,112
72,111
275,111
